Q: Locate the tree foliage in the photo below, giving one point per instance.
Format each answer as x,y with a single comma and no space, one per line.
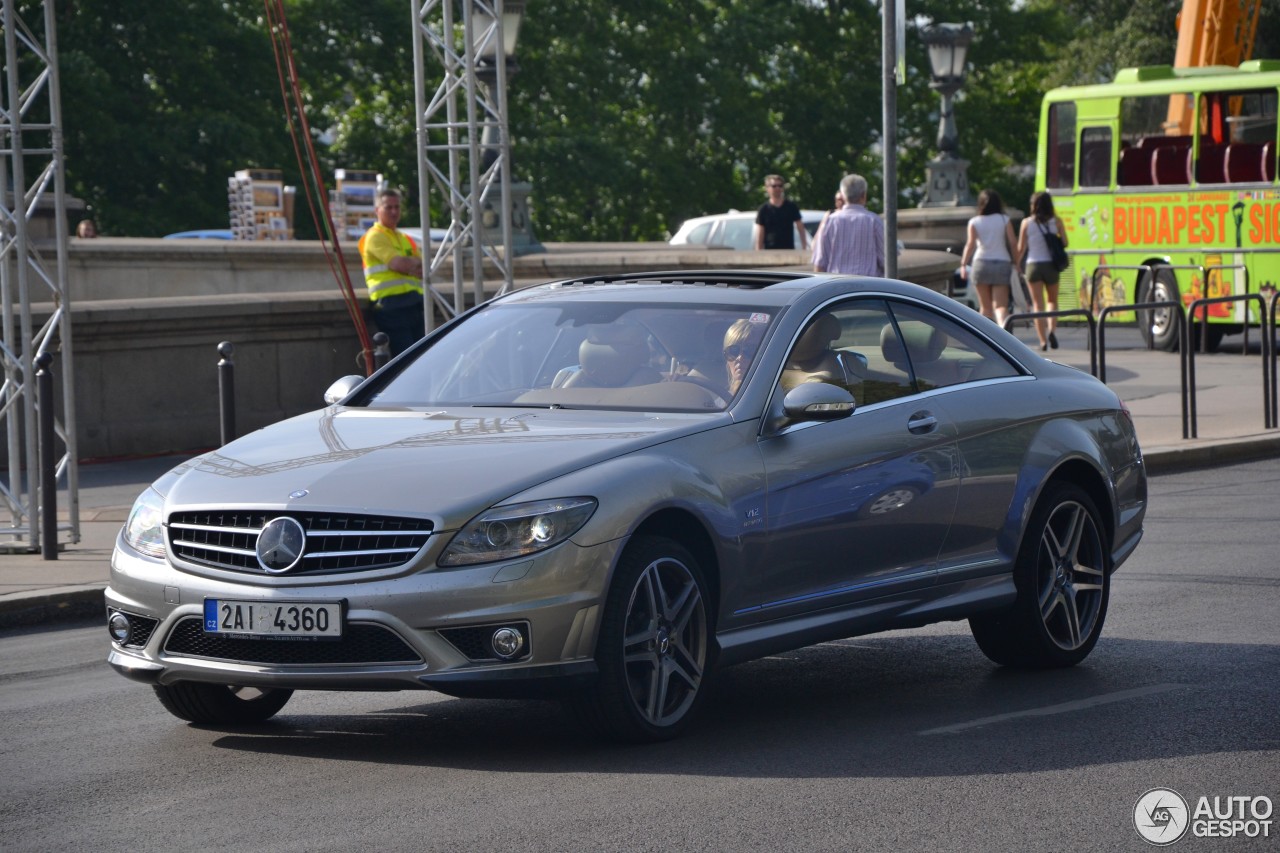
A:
626,117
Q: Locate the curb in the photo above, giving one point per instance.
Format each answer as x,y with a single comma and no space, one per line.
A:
58,604
1175,458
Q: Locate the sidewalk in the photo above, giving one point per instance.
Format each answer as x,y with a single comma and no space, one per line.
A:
1230,428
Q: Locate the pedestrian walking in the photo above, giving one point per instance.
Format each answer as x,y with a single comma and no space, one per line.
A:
852,238
992,248
778,221
393,274
1042,274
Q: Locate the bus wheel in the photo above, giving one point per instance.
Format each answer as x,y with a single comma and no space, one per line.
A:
1159,330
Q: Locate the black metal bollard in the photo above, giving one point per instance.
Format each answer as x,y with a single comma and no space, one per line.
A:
381,349
227,392
48,475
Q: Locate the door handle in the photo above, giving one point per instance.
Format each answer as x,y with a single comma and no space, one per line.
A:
922,422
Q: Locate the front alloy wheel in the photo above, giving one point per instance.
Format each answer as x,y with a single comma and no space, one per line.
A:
654,643
1063,587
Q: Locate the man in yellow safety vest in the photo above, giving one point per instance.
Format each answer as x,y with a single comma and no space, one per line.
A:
393,274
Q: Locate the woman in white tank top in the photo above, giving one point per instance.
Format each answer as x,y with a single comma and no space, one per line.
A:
1042,275
992,248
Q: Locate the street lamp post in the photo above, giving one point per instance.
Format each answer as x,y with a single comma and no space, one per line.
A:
948,181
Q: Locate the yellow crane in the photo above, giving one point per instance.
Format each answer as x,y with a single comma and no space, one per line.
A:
1216,32
1211,32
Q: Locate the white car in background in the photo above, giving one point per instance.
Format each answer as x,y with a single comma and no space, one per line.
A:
732,230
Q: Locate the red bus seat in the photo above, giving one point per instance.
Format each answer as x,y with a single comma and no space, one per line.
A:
1135,167
1243,163
1269,161
1151,143
1209,167
1170,165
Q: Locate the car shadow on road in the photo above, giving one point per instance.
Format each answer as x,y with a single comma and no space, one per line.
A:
906,705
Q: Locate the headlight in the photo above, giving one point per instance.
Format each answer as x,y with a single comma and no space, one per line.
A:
143,531
505,532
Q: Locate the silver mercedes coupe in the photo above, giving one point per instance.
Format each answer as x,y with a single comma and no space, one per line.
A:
605,489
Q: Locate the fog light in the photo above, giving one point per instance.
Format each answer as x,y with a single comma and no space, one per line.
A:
118,626
507,642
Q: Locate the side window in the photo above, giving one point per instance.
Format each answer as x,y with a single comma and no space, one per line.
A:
1095,157
699,234
1061,140
1235,130
938,352
737,233
841,346
1153,147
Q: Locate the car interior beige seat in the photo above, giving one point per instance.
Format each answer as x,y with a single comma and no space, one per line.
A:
811,359
613,356
924,345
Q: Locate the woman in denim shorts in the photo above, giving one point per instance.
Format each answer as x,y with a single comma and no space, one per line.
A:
993,250
1042,275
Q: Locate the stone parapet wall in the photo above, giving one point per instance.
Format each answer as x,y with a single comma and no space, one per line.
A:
146,374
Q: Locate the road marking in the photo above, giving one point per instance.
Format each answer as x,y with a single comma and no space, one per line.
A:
1050,710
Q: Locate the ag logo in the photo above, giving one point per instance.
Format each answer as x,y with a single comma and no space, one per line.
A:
1161,816
280,545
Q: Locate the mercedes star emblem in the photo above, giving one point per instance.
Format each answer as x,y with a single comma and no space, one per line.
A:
280,545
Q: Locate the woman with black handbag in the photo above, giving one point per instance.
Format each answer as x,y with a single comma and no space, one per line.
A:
1042,240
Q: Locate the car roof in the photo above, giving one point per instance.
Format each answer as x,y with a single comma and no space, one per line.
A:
726,287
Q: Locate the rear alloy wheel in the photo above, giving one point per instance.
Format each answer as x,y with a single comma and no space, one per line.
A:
221,704
1063,587
653,650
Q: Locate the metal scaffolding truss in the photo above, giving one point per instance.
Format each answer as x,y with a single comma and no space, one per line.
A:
464,150
33,271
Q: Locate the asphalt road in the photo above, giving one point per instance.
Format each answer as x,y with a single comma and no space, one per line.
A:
902,741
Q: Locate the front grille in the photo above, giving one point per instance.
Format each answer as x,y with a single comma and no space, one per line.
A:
226,539
361,643
140,629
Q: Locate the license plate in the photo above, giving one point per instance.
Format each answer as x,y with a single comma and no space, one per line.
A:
273,619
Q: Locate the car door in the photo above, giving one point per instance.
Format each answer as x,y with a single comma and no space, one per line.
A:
858,507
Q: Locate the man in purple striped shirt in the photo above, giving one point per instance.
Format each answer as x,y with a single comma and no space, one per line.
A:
851,240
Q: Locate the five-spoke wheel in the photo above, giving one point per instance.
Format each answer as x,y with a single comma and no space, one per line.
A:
1063,587
653,651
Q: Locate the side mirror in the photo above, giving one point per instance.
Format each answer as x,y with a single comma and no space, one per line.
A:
341,388
817,401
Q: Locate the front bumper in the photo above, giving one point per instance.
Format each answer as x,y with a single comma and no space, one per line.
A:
399,633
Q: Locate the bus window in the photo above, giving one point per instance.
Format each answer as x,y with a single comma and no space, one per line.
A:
1061,153
1095,157
1234,130
1145,123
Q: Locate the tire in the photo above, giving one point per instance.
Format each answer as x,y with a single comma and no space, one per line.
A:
654,648
1157,326
1062,575
220,704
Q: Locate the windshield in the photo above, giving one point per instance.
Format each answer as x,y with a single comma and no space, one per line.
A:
585,355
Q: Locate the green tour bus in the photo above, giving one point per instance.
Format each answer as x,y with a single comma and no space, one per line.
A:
1166,180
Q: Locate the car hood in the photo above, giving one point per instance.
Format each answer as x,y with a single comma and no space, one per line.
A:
443,465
